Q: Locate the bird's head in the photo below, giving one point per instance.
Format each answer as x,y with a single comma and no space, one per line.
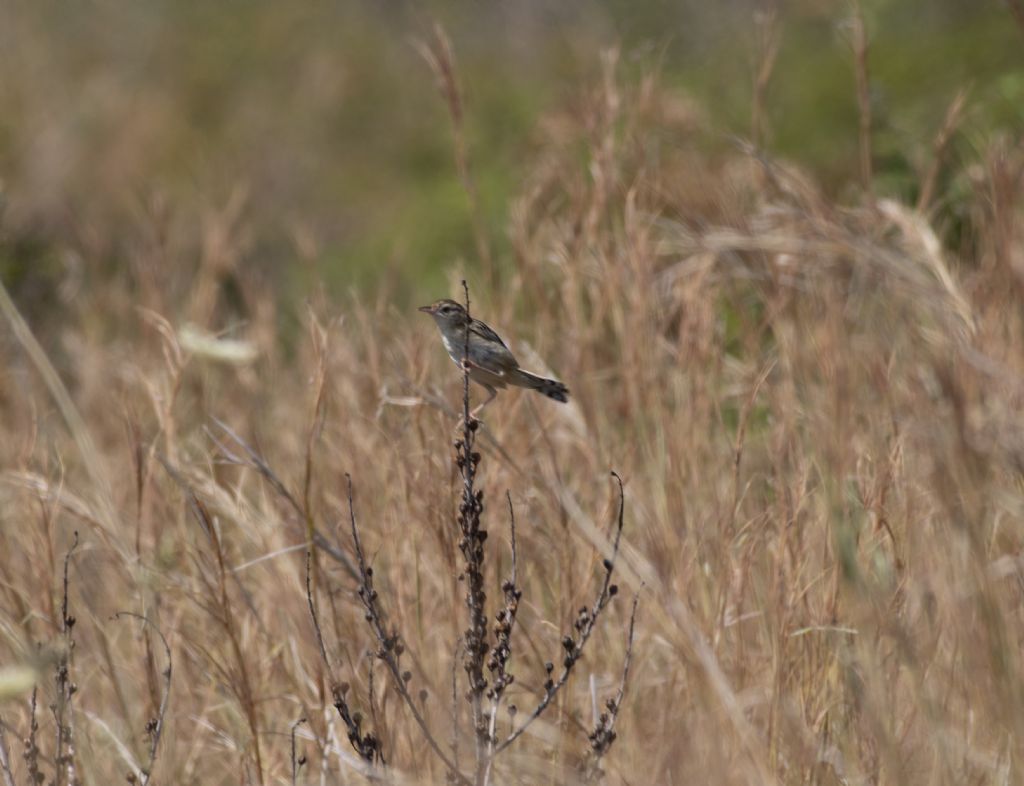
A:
446,313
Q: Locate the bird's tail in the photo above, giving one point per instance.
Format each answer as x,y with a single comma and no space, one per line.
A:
549,387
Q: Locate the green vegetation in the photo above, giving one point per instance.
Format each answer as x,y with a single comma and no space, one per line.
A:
327,117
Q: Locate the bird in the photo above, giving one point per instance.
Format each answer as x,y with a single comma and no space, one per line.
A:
489,361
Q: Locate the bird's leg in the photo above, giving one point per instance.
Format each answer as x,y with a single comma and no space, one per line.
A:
472,415
493,392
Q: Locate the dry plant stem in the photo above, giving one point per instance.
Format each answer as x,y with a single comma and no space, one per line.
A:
390,645
155,726
63,707
860,53
506,618
471,544
5,758
949,126
502,653
367,745
584,625
441,59
319,336
31,747
313,614
72,417
295,762
603,736
455,703
257,462
225,616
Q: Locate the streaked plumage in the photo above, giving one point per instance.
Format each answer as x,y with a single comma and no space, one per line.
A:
491,363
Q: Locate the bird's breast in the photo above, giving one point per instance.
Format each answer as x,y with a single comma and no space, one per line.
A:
454,349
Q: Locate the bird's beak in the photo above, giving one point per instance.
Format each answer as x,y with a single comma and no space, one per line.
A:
427,309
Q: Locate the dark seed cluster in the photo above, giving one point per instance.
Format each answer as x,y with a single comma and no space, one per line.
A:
504,620
471,544
367,745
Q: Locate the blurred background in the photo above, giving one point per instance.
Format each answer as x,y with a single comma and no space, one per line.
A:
319,126
808,372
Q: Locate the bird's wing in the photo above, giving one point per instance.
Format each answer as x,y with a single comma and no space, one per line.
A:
482,330
491,348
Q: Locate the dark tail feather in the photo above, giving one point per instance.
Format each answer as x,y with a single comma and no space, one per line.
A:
549,387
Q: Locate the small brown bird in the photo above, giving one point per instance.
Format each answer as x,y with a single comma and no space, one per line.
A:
491,364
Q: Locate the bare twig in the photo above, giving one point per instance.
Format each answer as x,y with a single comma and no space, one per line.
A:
63,708
455,702
505,621
225,615
31,746
603,736
257,462
155,726
367,745
584,625
320,348
502,653
440,405
471,544
390,646
312,612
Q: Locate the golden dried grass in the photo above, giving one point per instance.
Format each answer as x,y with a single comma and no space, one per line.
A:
815,408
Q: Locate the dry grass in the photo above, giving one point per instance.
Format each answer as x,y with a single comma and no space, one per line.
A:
815,409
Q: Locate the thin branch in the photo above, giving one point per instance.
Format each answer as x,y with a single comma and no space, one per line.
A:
319,340
67,621
155,726
257,462
31,746
455,702
471,544
63,708
390,645
312,612
367,745
603,736
224,616
440,405
502,653
584,626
